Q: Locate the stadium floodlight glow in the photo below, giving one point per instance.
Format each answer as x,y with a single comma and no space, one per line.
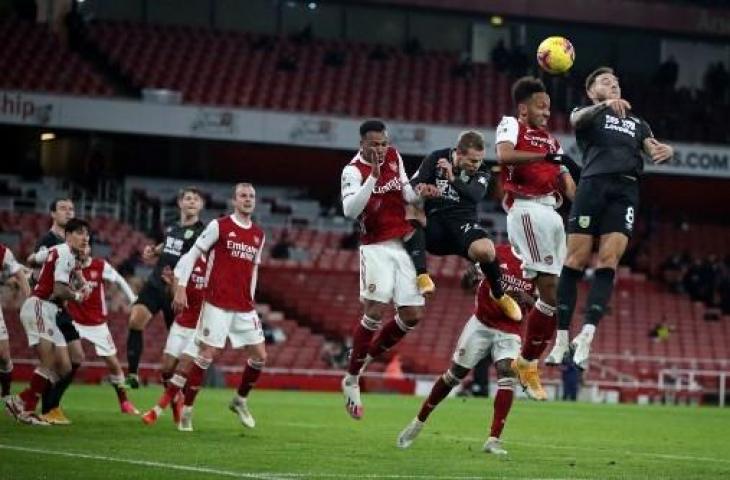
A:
312,5
47,136
496,20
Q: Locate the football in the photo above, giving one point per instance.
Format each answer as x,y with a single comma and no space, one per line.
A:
555,55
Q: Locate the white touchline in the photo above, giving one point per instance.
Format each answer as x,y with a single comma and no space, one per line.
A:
261,475
143,463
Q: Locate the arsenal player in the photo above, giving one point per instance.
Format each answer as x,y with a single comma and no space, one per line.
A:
38,315
9,267
489,332
534,181
89,318
234,245
375,191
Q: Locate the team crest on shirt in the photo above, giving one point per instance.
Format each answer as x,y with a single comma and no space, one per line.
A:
94,274
188,234
584,221
256,239
393,166
371,288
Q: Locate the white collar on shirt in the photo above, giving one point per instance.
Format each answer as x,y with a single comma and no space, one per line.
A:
239,223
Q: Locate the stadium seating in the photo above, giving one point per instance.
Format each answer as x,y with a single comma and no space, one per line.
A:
33,59
239,69
124,240
699,239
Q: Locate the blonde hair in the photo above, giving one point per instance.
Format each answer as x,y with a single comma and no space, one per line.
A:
242,184
470,139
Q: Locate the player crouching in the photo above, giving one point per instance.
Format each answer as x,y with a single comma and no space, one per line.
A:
489,332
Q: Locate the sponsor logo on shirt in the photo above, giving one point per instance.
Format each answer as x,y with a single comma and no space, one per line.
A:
173,246
622,125
241,250
392,185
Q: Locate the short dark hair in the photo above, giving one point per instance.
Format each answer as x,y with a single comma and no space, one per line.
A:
76,225
470,139
525,87
371,126
189,189
596,73
54,203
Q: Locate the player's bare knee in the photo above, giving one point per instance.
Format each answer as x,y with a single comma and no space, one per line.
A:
206,355
608,259
482,250
504,369
139,317
76,352
547,285
410,316
375,310
455,374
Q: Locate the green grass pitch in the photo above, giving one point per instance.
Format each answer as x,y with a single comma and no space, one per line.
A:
309,436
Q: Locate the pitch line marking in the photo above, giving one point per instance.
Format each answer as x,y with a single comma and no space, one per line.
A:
260,475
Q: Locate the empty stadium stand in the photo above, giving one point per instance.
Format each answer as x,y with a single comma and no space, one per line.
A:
34,59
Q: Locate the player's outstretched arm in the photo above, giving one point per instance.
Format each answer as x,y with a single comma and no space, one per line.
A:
659,152
507,155
581,117
111,275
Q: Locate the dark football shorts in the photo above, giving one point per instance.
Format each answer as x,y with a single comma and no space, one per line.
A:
156,298
66,326
452,235
605,204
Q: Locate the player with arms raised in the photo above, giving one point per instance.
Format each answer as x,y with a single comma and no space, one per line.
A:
452,183
612,139
533,180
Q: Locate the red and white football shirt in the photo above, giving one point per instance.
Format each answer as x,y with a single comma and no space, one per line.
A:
532,179
234,252
487,310
58,267
384,216
93,310
195,291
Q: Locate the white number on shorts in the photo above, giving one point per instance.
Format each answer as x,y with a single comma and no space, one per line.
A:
630,216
